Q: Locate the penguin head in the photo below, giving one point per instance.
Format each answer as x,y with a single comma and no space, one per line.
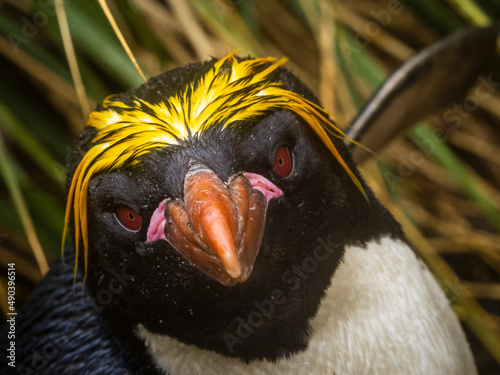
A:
211,192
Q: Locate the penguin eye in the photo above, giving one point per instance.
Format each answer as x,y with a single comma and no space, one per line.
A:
283,161
128,218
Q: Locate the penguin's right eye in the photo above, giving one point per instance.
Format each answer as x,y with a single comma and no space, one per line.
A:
128,218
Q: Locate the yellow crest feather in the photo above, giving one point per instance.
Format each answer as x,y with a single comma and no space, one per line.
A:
231,91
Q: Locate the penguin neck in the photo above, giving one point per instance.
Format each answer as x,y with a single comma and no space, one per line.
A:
381,300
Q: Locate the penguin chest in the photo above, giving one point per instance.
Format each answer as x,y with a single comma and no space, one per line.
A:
382,314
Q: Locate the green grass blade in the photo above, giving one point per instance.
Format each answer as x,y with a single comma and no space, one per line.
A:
21,207
29,143
471,11
444,156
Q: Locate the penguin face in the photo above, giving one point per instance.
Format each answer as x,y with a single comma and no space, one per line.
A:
203,231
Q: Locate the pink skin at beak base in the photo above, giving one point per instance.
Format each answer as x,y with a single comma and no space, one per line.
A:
263,185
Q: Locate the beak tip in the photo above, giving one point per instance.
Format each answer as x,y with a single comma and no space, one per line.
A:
232,266
235,274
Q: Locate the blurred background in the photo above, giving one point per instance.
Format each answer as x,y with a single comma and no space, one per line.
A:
445,191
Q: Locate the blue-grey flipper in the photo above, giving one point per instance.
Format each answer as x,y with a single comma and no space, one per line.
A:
430,80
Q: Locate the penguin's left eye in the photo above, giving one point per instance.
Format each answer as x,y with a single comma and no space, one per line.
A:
283,161
128,218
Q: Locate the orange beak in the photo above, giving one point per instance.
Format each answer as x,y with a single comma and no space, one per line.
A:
218,227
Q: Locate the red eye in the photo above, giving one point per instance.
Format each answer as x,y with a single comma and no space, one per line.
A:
127,217
283,161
